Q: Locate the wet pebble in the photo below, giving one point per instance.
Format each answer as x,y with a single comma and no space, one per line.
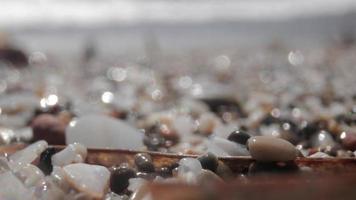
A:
240,137
45,163
269,149
146,176
91,180
348,141
100,131
143,162
209,161
120,176
164,172
73,153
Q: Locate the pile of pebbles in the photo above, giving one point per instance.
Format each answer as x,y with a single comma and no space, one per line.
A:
39,172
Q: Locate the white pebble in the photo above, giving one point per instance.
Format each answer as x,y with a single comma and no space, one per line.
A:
30,175
93,180
12,188
99,131
189,165
231,148
27,155
73,153
319,155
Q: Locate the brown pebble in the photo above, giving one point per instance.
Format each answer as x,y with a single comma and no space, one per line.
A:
349,141
50,128
269,149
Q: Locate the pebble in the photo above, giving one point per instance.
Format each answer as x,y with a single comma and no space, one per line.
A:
269,149
164,172
12,188
231,148
207,123
50,128
143,162
73,153
240,137
30,175
209,161
322,139
45,163
189,165
27,155
319,155
93,180
348,141
146,176
99,131
120,176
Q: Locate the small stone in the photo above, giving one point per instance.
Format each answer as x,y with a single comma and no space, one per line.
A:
189,165
73,153
120,176
224,171
348,141
146,176
240,137
27,155
46,160
143,162
12,188
100,131
50,128
319,155
93,180
153,141
164,172
267,149
209,161
30,175
229,147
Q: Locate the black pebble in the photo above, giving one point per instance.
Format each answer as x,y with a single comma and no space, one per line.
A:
120,176
209,161
164,172
147,176
143,162
239,137
45,163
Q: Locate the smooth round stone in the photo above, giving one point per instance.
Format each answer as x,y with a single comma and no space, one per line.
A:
50,128
240,137
143,162
120,176
209,161
189,165
269,149
348,141
99,131
93,180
